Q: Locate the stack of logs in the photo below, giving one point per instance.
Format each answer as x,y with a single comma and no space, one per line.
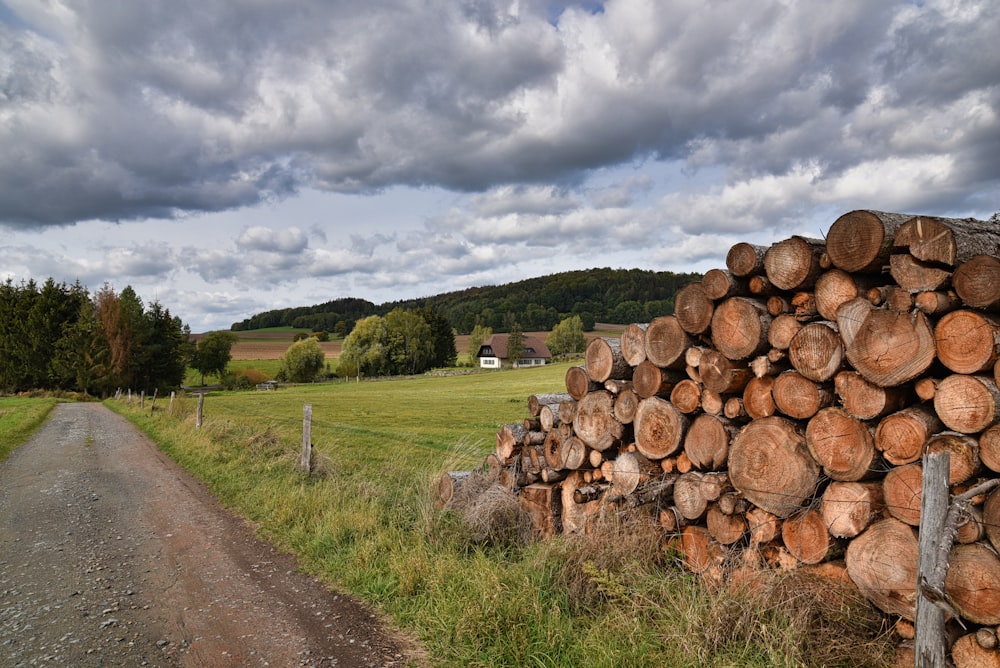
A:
778,418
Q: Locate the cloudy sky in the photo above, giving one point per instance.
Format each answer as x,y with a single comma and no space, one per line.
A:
229,157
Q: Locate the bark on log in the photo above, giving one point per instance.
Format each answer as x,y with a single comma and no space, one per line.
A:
887,348
798,397
882,562
604,360
972,584
543,503
963,450
848,508
740,327
805,536
650,380
693,308
536,401
626,404
816,351
902,489
666,342
633,343
967,404
843,445
707,441
659,428
771,466
595,423
977,282
968,341
782,330
936,302
578,383
866,400
794,264
758,401
744,259
722,375
720,284
947,241
861,241
509,440
686,396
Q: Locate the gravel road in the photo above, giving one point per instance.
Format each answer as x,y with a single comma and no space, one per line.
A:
112,555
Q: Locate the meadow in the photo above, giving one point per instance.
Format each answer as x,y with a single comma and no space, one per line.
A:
468,583
19,419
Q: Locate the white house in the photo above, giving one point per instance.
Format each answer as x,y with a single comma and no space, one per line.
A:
493,353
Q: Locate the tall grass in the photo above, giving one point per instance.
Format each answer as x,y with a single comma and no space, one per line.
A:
475,593
19,419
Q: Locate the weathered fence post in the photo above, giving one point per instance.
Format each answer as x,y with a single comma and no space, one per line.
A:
305,459
201,405
929,626
152,403
170,408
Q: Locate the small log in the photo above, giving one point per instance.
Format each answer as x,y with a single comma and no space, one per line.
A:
771,466
798,397
551,449
693,308
720,284
816,351
604,360
509,440
977,282
776,304
567,411
549,417
536,401
968,341
626,404
631,471
882,562
835,287
707,441
724,528
971,529
806,538
804,306
936,302
721,374
963,453
615,386
794,264
764,366
595,423
967,653
573,454
989,448
578,383
902,489
843,445
861,241
686,396
848,508
740,328
449,483
900,437
711,401
925,388
534,437
887,348
972,584
666,342
967,404
744,259
782,330
866,400
659,428
689,498
758,401
649,380
580,504
763,526
633,343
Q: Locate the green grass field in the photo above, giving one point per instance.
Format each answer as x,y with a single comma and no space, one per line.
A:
365,521
19,419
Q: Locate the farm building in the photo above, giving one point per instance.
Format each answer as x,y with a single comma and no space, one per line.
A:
493,353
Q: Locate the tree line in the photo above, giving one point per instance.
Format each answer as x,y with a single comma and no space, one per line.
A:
56,336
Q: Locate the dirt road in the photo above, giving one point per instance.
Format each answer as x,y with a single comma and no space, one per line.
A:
112,555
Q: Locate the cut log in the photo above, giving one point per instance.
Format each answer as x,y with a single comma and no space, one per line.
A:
805,536
689,497
866,400
794,264
777,304
763,526
604,360
902,489
724,528
567,411
543,503
947,241
686,396
536,401
549,417
900,437
707,441
733,408
758,401
843,445
798,397
551,449
966,652
967,404
711,402
722,375
649,380
848,508
861,241
659,428
509,439
626,403
882,562
963,451
989,448
578,516
887,348
972,584
720,284
763,365
968,341
745,259
633,343
977,282
739,328
991,518
666,342
573,454
631,471
936,302
533,437
595,423
449,483
912,275
835,287
816,351
804,306
578,383
782,330
771,466
701,553
615,386
693,308
971,529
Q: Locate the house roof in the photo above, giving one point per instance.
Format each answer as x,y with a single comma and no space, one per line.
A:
533,347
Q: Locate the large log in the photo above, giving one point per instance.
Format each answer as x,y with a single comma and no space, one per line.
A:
771,466
666,342
798,397
805,536
866,400
861,241
843,445
758,401
604,360
578,383
967,404
693,308
848,508
882,562
720,284
794,264
650,380
968,341
977,281
744,259
886,347
902,489
816,351
947,241
686,396
595,422
739,328
707,441
633,343
659,428
972,584
900,437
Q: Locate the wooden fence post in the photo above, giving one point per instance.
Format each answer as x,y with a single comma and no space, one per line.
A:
305,459
929,625
170,408
201,405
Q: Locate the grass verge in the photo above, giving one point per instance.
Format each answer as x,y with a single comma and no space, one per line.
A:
19,419
462,579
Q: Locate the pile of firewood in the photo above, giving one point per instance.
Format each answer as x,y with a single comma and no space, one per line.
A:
778,418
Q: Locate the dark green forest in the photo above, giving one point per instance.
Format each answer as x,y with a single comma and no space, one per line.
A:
536,304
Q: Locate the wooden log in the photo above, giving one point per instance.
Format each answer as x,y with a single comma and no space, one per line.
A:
900,437
701,554
732,503
968,341
771,466
913,276
633,343
763,365
967,653
842,444
989,448
666,342
536,401
936,302
577,516
689,498
693,308
971,529
615,386
782,330
977,281
578,383
632,470
543,503
861,241
972,584
721,284
794,263
798,397
947,241
604,360
509,440
649,380
835,287
711,402
991,518
763,526
573,454
816,351
963,453
550,449
733,409
533,437
744,259
902,489
549,417
740,327
595,423
626,404
967,404
758,401
659,428
567,411
725,528
722,375
866,400
686,396
882,562
805,536
449,483
707,441
804,306
777,304
925,388
887,348
848,508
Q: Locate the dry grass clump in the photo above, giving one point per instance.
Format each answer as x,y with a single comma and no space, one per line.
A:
490,514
